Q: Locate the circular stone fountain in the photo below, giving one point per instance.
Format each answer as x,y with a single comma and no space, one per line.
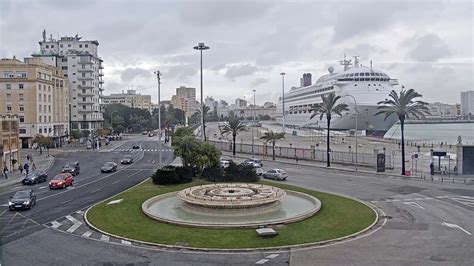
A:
231,205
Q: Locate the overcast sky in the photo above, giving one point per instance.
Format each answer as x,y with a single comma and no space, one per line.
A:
426,45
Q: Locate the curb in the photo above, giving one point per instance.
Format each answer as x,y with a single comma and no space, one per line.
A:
323,243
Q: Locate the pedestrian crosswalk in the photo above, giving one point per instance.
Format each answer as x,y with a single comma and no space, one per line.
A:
149,150
74,224
464,200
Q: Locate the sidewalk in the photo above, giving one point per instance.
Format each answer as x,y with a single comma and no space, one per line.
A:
351,168
42,162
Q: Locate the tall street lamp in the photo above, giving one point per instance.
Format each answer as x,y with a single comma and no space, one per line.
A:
112,119
158,77
283,99
254,119
356,114
201,47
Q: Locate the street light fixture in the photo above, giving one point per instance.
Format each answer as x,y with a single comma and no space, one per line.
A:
158,77
283,99
112,119
356,114
254,119
201,46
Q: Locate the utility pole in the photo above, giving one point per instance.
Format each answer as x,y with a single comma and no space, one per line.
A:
254,120
283,99
158,77
201,46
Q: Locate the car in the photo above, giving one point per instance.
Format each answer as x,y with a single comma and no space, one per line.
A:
62,180
135,147
256,166
276,174
151,134
108,167
253,160
127,159
23,199
224,163
144,133
72,168
259,171
34,178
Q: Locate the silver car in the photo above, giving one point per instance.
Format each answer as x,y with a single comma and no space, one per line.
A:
276,174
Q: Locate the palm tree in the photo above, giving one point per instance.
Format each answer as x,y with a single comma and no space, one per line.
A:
233,126
403,106
328,107
273,137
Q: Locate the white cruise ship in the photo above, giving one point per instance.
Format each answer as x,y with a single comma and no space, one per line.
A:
368,86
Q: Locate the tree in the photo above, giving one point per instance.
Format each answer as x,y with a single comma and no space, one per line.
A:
43,141
75,134
85,133
184,147
403,106
328,107
273,138
102,132
183,131
233,126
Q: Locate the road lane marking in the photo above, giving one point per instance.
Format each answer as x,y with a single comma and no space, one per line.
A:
463,201
125,242
116,182
4,205
96,190
411,203
272,256
43,187
87,234
262,261
456,226
64,202
15,188
55,224
104,238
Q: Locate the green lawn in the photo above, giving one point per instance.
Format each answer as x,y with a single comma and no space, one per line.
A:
338,217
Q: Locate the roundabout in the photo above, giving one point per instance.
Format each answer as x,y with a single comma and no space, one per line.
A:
330,218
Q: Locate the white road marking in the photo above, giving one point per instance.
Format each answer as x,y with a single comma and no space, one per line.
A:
87,234
114,202
95,190
116,182
15,188
272,256
76,224
262,261
55,224
125,242
42,187
414,204
64,202
104,238
464,201
456,226
4,205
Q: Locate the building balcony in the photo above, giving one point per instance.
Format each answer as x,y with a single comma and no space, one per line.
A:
84,62
85,70
85,78
85,94
101,82
85,110
101,67
85,86
101,74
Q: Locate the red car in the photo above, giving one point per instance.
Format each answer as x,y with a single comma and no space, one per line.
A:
61,181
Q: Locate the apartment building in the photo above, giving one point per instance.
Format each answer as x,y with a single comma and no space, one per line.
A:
185,99
130,99
83,67
9,141
38,94
467,103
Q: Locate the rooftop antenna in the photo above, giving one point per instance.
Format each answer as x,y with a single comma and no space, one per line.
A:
346,63
356,61
370,64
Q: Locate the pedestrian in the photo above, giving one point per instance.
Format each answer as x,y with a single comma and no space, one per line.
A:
41,151
33,167
27,168
445,170
28,157
296,158
455,170
432,170
5,172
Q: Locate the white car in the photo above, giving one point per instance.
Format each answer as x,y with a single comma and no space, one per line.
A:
259,171
224,163
276,174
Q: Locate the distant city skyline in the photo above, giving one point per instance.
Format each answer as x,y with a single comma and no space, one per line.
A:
426,45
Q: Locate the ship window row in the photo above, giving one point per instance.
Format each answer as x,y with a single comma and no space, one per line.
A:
311,92
298,109
366,74
364,79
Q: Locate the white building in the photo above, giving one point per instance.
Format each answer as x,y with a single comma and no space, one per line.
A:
82,65
467,102
185,99
130,99
438,109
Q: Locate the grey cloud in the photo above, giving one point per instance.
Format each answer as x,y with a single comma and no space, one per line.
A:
259,81
429,47
181,73
240,70
130,74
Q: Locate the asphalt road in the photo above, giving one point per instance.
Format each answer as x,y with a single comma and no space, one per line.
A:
426,223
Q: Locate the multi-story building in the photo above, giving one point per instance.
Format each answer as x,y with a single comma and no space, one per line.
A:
240,102
185,99
130,99
467,103
9,141
438,109
82,65
38,93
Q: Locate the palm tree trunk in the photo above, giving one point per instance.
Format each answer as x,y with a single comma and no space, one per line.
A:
233,143
328,153
402,126
204,127
273,146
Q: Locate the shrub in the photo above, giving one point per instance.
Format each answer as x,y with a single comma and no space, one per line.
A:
169,175
240,173
185,174
213,174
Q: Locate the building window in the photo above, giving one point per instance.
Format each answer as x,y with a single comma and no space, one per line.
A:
49,98
69,45
86,45
21,86
80,45
21,108
20,97
50,122
49,108
39,108
44,97
9,86
22,130
47,46
52,46
83,74
9,97
61,45
83,83
22,119
39,97
41,130
9,108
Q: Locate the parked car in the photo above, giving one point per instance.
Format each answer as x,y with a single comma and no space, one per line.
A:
253,160
224,163
61,181
144,133
34,178
127,159
276,174
135,147
151,134
259,171
72,168
108,167
23,199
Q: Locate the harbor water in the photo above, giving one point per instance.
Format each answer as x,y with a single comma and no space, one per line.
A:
434,133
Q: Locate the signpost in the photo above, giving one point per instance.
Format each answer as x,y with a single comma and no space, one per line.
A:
380,162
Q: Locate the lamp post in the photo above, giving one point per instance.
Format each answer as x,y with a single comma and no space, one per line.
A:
201,47
356,114
283,99
112,119
254,119
158,77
